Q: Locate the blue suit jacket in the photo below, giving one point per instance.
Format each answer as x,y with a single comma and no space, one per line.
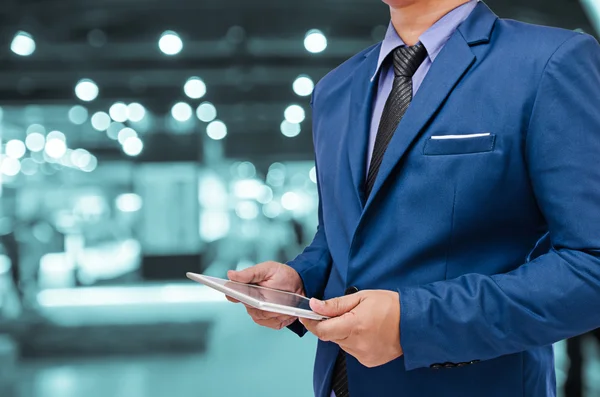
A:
493,243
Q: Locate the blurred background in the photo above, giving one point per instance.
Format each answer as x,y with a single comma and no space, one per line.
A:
142,139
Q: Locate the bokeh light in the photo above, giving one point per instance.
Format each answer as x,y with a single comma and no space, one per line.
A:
303,86
35,142
55,148
56,135
125,134
290,130
15,149
10,166
290,201
136,111
23,44
133,146
206,112
80,158
247,210
216,130
113,130
101,121
86,90
119,112
78,115
36,128
181,112
315,41
294,114
129,202
91,165
195,88
170,43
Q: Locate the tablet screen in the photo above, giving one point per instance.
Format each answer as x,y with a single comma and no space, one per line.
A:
266,294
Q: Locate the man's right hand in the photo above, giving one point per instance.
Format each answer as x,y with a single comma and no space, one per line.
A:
271,275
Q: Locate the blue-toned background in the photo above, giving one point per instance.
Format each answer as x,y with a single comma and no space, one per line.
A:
141,139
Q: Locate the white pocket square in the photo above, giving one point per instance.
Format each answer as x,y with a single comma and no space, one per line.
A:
460,136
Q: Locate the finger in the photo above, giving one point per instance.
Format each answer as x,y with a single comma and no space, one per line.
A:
261,314
251,275
272,323
289,322
230,299
335,329
337,306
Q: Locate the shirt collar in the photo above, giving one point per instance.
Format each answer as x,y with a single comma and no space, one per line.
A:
433,39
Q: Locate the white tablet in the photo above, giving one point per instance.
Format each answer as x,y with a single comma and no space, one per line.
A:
262,298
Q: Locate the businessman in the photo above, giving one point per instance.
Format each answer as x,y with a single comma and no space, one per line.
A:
458,167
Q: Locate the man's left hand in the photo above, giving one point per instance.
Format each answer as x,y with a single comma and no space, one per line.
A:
365,324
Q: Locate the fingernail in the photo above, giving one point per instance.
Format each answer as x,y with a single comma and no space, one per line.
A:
318,303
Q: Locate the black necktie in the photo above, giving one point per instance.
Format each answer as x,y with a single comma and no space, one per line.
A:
406,62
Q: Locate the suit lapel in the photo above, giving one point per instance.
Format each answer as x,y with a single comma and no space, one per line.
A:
449,67
361,103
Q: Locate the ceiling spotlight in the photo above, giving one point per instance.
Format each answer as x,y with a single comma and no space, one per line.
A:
78,115
133,146
100,121
216,130
195,88
55,148
35,142
15,149
125,134
290,201
119,112
56,135
36,128
290,130
80,158
136,112
23,44
206,112
181,112
10,166
92,163
295,114
170,43
315,41
86,90
303,86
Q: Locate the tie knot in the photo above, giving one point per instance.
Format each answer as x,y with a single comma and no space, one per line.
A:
408,59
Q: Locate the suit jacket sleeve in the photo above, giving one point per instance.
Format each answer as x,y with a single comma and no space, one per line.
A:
557,295
314,263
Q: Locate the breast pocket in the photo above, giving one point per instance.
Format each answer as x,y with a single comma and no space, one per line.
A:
440,145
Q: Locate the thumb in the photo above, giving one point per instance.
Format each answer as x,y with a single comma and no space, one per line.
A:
251,275
335,307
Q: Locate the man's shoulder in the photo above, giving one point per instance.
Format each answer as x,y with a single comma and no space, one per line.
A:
340,74
536,39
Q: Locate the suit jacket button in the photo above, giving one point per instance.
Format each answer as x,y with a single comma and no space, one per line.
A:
351,290
473,362
449,365
436,366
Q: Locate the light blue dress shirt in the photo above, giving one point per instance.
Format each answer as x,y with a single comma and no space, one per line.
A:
433,39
